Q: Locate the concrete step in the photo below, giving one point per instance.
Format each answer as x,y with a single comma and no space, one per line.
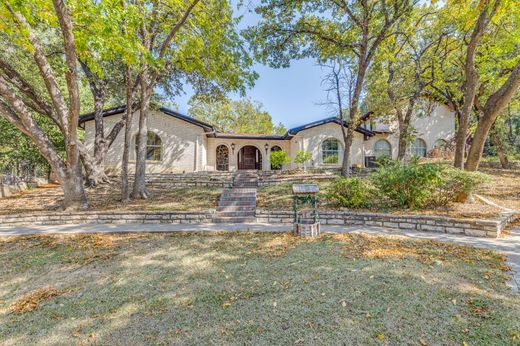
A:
234,219
238,199
229,194
236,208
235,213
233,203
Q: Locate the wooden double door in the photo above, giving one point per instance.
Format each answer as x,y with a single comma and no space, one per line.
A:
249,157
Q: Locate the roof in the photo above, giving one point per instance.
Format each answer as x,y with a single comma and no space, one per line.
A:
212,130
359,129
250,136
122,109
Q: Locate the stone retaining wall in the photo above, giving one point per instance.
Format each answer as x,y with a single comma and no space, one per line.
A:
145,217
471,227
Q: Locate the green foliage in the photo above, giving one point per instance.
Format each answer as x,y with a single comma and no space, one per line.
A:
414,185
455,184
302,157
234,116
351,192
279,158
409,185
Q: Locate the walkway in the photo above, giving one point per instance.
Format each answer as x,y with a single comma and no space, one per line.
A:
237,204
510,245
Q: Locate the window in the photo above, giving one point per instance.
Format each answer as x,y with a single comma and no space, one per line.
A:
382,148
440,144
418,148
222,158
153,147
330,151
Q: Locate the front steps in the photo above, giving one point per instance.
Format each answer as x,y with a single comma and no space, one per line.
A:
238,203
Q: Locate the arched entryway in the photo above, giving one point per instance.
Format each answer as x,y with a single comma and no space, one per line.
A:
222,158
249,157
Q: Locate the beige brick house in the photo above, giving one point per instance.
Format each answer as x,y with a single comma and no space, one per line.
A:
178,143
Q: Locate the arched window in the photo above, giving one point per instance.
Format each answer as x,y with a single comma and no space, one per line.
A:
418,148
153,147
440,144
331,151
382,148
222,158
276,148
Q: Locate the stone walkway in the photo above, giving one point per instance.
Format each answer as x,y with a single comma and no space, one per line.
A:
509,245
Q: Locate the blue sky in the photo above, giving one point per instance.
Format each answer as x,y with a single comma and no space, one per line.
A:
291,95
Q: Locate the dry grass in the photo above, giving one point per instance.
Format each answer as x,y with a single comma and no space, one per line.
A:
252,288
107,197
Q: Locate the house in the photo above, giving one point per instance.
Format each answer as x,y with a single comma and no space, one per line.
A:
179,143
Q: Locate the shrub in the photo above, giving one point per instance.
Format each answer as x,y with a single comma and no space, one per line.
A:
302,157
350,192
279,158
457,185
409,185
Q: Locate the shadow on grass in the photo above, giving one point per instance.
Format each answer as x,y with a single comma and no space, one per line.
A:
255,288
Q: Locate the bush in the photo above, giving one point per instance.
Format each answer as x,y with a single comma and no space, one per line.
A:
302,157
279,158
409,185
351,192
457,185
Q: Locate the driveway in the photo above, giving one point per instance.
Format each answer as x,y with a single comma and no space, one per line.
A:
508,245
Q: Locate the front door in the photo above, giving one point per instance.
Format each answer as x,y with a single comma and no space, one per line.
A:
249,157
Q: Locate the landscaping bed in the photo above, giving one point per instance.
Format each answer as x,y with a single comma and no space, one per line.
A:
252,288
107,198
503,188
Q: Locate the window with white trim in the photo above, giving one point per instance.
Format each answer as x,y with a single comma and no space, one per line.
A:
382,148
153,147
418,148
331,152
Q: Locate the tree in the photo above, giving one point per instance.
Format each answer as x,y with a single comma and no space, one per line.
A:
488,9
20,99
302,157
279,158
352,29
189,41
234,116
398,79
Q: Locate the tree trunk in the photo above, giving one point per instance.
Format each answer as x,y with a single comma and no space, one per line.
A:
73,191
495,104
139,189
348,136
471,83
403,141
125,191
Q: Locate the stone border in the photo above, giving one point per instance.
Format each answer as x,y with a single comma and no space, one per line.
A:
491,228
430,223
115,217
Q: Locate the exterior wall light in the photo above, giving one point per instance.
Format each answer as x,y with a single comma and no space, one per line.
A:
266,147
233,147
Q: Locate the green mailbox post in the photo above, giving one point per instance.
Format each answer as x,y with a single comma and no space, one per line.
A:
306,220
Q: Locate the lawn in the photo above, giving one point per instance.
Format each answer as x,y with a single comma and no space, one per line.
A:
107,197
251,288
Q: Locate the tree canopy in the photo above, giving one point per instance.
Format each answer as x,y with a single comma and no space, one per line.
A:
234,116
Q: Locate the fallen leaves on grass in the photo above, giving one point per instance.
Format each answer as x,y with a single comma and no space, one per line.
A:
278,245
32,300
425,251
